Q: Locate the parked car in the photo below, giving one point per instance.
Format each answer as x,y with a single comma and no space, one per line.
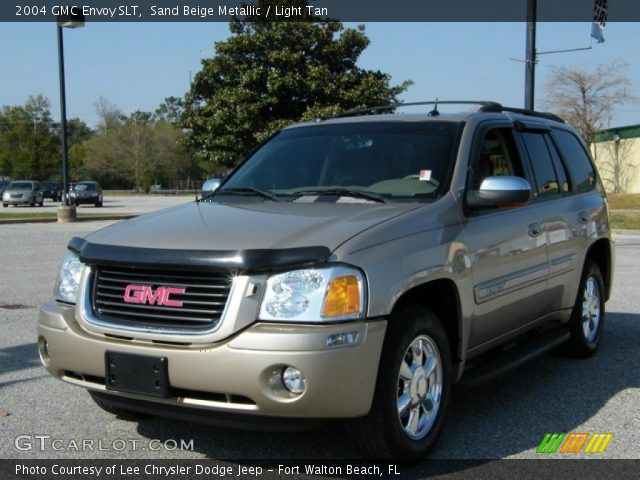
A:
87,192
52,190
355,267
3,185
24,192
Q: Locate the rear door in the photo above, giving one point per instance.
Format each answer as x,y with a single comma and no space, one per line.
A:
552,190
584,209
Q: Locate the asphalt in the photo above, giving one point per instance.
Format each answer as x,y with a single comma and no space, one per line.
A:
506,418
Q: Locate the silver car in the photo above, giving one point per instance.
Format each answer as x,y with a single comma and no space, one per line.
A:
24,192
355,267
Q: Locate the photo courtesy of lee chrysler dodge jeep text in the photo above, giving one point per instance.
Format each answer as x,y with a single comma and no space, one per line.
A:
355,267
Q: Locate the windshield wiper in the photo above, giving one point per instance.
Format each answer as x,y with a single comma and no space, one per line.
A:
243,191
344,192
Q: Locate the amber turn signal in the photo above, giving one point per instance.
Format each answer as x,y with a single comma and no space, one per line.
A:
342,297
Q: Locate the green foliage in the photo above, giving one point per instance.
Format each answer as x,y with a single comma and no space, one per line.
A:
28,146
135,152
170,110
270,74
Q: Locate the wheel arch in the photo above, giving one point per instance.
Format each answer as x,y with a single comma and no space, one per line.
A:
442,297
600,253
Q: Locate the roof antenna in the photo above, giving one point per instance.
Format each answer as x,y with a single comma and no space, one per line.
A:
434,112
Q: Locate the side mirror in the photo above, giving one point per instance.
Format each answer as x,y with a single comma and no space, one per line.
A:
498,191
211,185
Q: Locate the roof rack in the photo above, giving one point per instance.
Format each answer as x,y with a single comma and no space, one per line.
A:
533,113
393,106
485,106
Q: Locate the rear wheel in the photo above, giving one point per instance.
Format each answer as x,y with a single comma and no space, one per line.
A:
587,318
5,205
412,389
121,413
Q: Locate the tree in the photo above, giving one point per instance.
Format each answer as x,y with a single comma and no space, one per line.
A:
170,110
587,99
269,74
133,152
28,146
78,132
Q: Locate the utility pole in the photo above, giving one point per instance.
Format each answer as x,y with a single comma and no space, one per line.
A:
530,62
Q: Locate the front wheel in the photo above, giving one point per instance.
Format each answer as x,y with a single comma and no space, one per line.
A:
588,315
412,389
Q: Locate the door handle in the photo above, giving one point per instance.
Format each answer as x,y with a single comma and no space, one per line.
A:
534,229
584,217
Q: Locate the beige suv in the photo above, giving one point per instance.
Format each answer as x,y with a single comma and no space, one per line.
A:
354,267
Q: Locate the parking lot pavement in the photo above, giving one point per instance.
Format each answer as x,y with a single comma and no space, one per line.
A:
505,418
112,205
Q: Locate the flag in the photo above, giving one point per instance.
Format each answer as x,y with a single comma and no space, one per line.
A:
600,8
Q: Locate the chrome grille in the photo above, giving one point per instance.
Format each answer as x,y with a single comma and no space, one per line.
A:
202,303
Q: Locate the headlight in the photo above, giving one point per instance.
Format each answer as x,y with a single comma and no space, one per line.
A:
66,288
314,295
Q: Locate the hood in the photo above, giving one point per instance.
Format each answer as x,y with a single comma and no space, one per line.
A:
208,229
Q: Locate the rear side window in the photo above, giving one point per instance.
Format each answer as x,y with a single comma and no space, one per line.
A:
576,159
545,175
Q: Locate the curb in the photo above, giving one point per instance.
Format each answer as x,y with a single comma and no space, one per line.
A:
87,218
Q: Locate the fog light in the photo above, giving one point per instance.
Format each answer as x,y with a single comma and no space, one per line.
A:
293,379
345,338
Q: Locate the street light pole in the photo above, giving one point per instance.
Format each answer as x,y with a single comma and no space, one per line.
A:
66,212
63,118
530,63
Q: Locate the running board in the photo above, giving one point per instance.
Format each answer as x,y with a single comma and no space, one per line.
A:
514,357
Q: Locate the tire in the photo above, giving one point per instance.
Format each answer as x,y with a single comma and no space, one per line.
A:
32,204
588,315
121,413
41,203
98,204
5,205
385,433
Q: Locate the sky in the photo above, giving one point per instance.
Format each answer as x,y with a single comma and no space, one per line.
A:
136,65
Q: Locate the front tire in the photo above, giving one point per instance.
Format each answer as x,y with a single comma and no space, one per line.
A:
412,390
588,315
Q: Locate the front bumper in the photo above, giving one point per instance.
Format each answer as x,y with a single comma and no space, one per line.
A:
84,200
235,375
20,201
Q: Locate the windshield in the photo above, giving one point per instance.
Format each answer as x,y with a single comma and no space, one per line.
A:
84,186
20,186
390,159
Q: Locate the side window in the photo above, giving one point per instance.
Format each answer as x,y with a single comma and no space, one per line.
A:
561,170
498,155
576,159
543,171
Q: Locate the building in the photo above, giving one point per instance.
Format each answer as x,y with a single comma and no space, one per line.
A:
617,155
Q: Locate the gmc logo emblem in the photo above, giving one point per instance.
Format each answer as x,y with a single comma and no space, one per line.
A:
142,294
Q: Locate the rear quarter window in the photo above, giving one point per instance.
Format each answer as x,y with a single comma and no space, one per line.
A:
576,160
